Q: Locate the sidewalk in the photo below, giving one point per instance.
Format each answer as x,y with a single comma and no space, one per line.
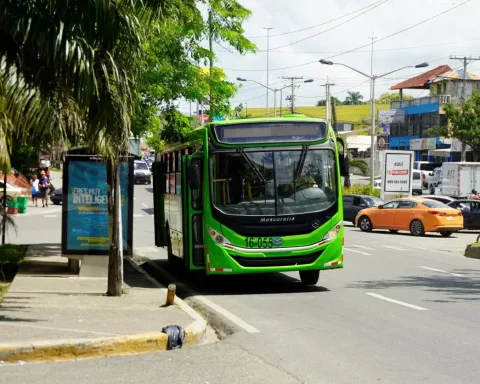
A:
51,314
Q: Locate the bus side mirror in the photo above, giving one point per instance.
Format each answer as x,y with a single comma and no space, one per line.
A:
344,165
194,176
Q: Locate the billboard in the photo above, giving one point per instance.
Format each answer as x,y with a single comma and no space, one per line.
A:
397,174
85,217
382,142
389,116
423,144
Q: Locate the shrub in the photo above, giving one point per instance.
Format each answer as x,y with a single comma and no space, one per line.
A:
359,189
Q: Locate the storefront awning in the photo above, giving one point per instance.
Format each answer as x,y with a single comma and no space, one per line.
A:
447,152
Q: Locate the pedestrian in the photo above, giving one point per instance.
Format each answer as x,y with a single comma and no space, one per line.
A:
475,195
34,183
44,186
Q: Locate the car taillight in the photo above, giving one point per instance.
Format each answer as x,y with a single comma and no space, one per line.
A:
437,213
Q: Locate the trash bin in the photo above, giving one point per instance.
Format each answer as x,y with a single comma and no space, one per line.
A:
22,204
12,207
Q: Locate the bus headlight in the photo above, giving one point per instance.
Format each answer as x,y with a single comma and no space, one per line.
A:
217,237
333,233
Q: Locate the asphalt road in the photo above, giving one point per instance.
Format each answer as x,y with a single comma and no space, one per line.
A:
403,310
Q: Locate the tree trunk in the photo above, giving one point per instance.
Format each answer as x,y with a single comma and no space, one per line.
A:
115,270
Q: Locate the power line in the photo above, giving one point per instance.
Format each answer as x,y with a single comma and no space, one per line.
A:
329,29
317,25
357,48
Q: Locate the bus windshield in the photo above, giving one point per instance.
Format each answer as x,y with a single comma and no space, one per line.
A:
272,183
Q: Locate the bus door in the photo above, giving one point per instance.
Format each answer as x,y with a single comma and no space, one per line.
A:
158,168
193,212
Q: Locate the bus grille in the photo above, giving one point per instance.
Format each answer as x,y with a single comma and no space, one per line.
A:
276,261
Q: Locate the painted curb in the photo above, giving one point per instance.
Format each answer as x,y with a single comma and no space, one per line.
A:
65,350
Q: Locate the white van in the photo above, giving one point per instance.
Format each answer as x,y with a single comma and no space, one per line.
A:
417,183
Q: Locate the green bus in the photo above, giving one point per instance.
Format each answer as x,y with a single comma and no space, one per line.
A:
253,196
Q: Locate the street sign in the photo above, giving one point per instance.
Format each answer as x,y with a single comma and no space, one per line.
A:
397,174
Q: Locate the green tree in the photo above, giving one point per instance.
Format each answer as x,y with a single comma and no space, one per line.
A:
175,125
387,98
353,98
463,123
323,103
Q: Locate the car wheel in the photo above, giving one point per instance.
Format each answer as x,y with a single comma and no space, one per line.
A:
309,277
417,228
393,231
365,224
446,233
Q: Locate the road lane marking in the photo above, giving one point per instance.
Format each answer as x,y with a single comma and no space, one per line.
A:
137,215
442,271
395,248
421,248
50,216
353,250
145,205
397,302
363,247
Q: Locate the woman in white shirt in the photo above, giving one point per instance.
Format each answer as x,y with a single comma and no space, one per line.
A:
34,183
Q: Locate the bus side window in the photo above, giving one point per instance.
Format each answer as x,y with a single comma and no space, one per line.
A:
197,193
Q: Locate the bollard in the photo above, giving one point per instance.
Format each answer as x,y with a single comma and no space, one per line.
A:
171,294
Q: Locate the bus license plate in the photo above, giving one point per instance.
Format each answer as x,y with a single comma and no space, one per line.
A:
259,242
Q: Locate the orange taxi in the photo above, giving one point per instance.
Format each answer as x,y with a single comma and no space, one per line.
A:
416,215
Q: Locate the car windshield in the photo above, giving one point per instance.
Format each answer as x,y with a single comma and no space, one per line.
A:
142,166
435,204
373,201
428,166
271,183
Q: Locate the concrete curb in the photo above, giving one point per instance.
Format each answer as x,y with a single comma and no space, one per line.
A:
64,350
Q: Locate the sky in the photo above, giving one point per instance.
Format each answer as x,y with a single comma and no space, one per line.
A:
347,25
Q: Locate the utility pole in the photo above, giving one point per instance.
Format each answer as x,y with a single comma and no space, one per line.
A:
372,115
327,100
268,49
292,98
465,60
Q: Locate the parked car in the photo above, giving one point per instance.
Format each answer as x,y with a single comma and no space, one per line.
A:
352,204
56,196
471,212
12,191
441,199
426,168
141,172
417,215
435,180
417,183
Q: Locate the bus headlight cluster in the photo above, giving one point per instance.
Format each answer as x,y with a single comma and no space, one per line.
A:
217,237
333,233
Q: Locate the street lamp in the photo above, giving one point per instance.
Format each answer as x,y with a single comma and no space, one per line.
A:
271,89
372,105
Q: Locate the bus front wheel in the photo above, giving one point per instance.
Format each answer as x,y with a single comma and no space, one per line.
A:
309,277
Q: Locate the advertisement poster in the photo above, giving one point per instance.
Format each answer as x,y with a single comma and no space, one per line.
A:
397,175
85,213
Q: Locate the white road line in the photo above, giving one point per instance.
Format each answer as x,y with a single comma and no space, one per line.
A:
145,205
442,271
395,248
137,215
353,250
230,316
49,216
421,248
397,302
363,247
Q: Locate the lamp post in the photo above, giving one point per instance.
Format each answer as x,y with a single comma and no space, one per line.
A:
373,78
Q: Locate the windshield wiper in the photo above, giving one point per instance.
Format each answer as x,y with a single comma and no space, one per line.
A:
301,162
252,165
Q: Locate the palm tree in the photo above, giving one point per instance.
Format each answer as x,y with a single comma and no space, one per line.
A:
353,98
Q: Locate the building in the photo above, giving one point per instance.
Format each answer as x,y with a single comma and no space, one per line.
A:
412,119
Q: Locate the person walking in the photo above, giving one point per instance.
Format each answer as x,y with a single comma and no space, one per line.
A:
475,195
44,186
34,183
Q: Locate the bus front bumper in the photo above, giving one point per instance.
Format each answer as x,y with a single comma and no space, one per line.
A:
221,259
